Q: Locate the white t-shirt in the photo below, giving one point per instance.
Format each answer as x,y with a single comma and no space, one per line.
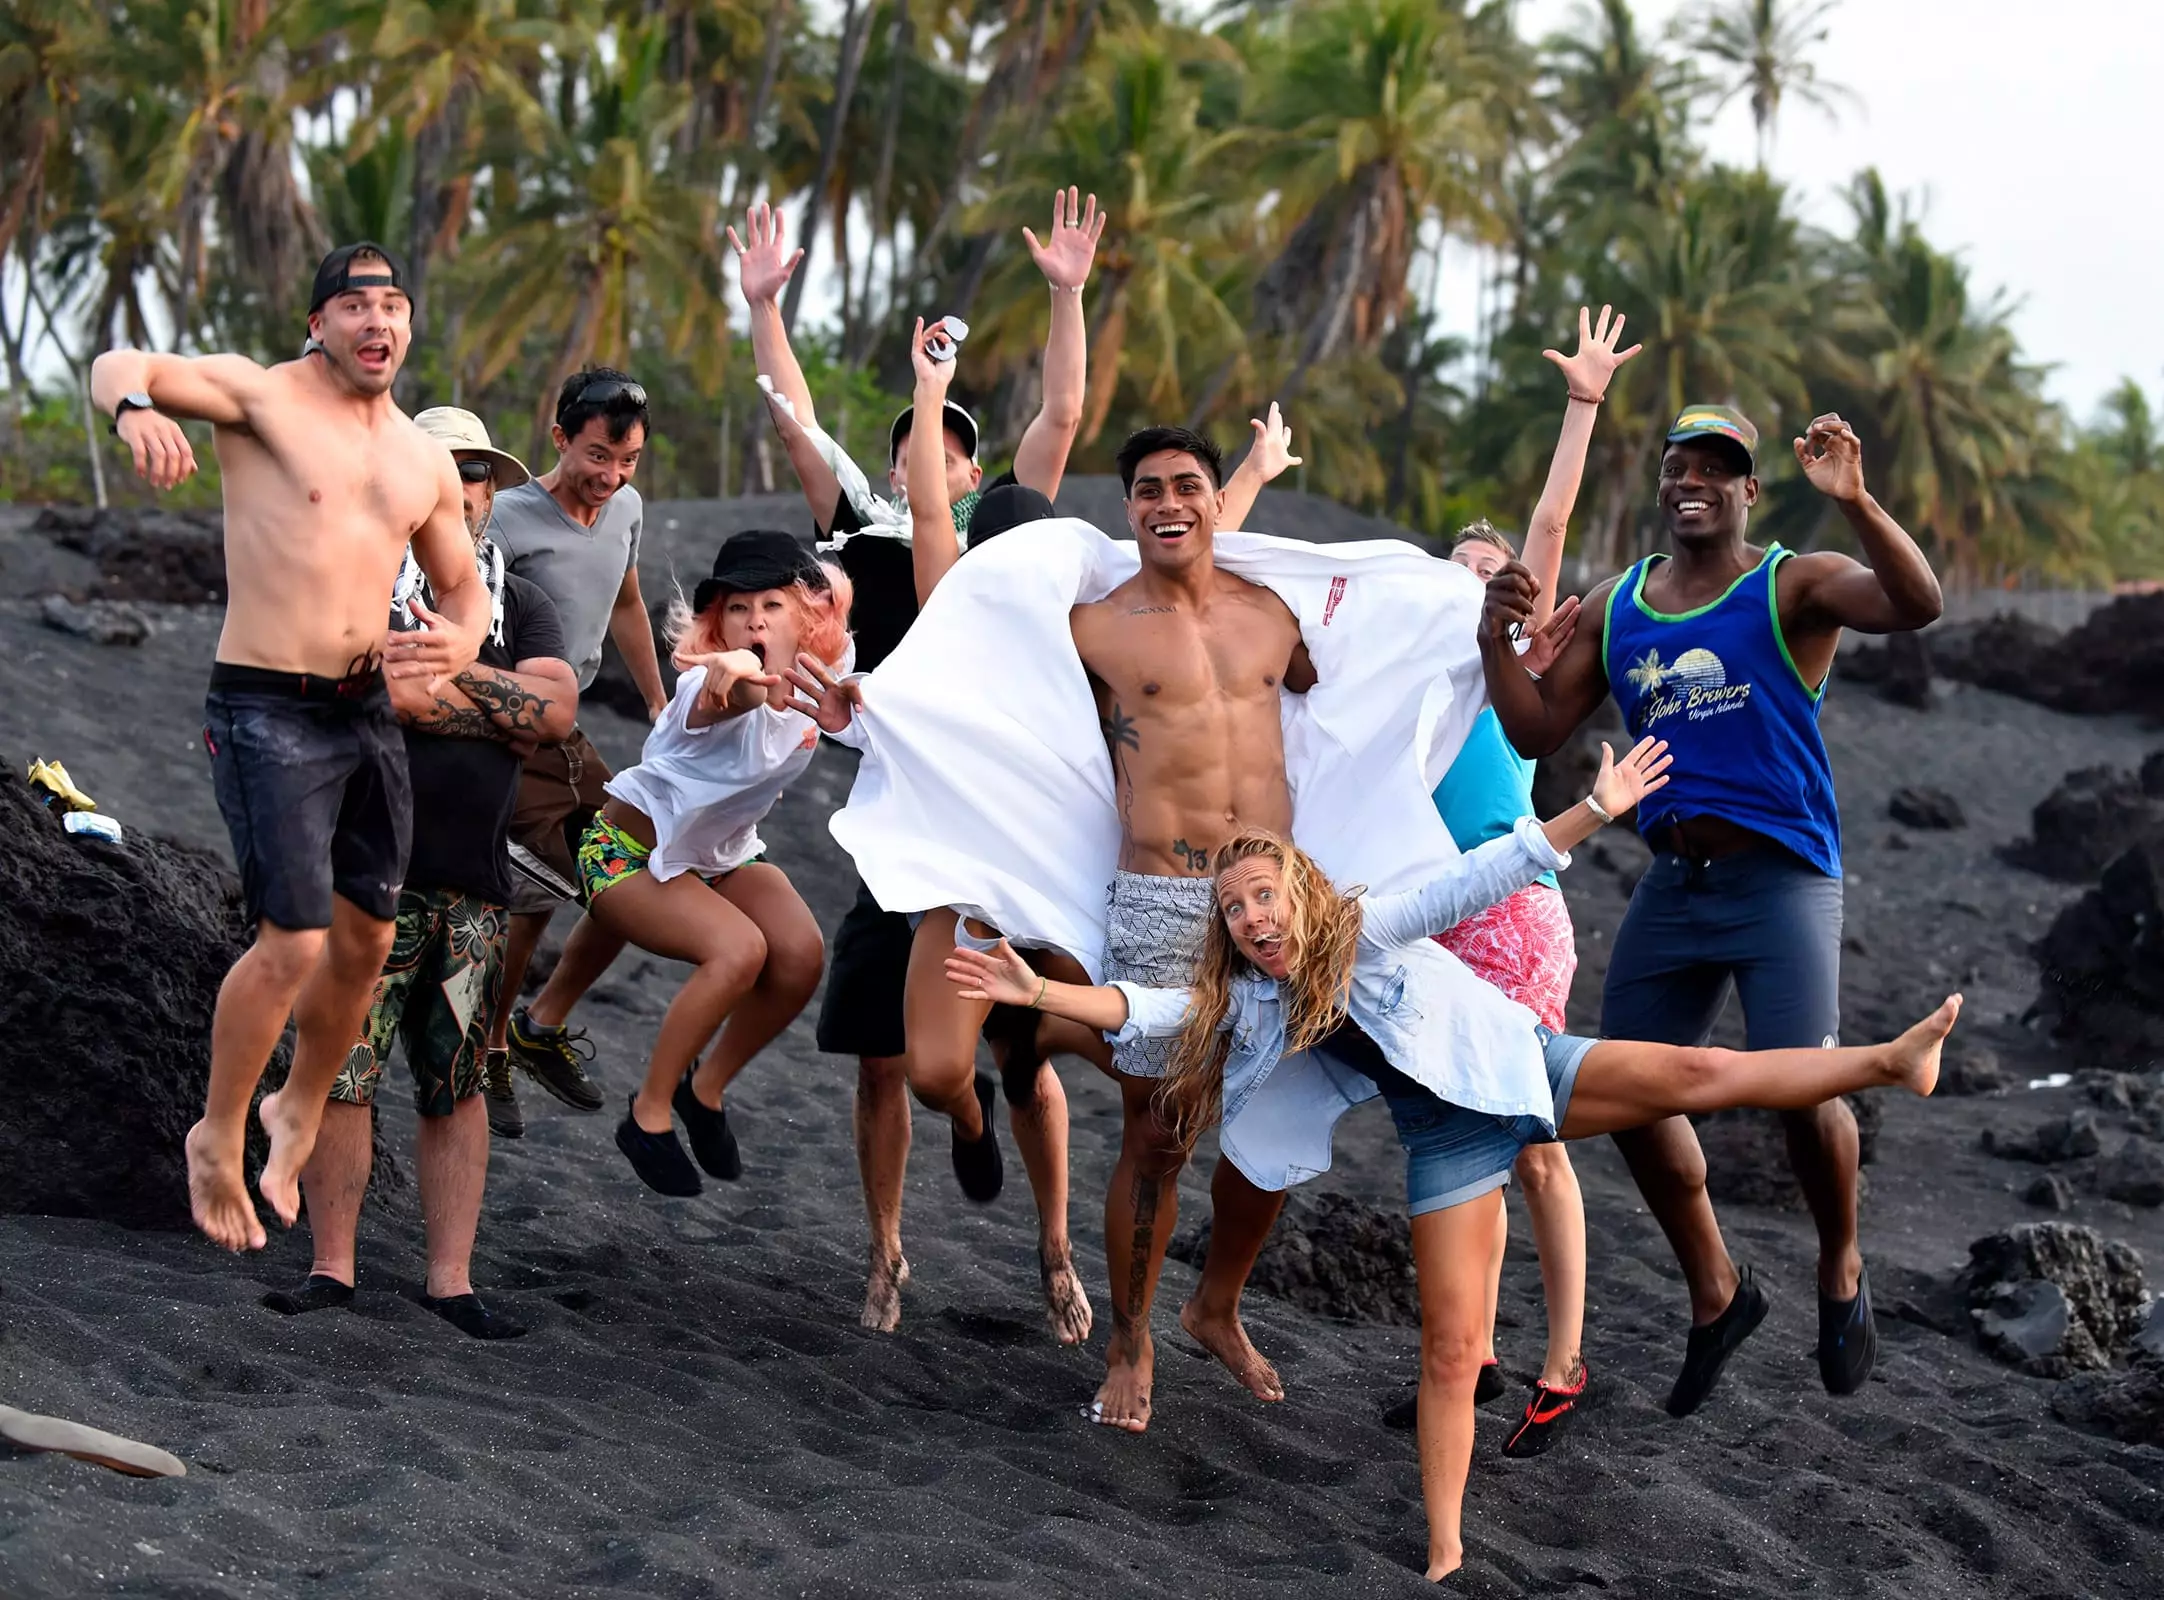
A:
705,789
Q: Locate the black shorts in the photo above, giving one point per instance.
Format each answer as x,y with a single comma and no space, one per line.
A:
311,779
867,975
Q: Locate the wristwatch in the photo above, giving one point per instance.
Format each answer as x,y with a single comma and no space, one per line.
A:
138,401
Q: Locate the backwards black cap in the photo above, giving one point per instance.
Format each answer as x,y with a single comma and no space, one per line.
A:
756,559
338,273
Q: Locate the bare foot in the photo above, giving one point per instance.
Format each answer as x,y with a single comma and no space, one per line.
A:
882,1311
1442,1563
218,1193
1124,1400
1916,1052
292,1139
1227,1340
1066,1306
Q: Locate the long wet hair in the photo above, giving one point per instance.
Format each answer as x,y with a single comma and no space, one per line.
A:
1322,931
822,618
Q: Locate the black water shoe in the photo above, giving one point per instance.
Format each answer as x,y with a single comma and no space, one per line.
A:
1545,1414
711,1141
1711,1346
1847,1339
318,1293
976,1161
466,1313
658,1158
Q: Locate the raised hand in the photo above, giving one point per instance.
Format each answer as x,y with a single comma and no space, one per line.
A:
1509,605
1588,371
999,976
1273,443
1065,256
826,699
933,376
1540,655
1832,458
1622,784
163,456
764,265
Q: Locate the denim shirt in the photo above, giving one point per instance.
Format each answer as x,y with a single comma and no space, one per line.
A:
1456,1035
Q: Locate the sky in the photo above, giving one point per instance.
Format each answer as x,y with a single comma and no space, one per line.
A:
2031,136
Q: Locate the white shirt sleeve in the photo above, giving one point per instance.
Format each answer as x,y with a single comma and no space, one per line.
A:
1151,1013
1477,880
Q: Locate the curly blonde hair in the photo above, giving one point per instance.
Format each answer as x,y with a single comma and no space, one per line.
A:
1321,932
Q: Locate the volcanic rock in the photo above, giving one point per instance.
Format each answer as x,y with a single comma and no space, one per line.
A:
2112,662
2090,818
143,554
2050,1192
1900,670
1972,1069
99,621
1564,778
1926,808
612,685
2133,1173
2102,978
110,960
2127,1405
2017,1281
1332,1255
2067,1138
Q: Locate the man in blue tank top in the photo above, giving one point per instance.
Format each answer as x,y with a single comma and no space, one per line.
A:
1723,649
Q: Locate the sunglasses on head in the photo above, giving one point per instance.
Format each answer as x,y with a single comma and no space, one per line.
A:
476,471
602,390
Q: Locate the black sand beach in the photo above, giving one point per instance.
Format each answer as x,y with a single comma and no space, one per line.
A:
696,1412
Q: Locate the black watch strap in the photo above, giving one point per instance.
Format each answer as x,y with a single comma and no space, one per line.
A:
130,402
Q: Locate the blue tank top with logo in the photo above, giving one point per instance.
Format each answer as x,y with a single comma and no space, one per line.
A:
1719,685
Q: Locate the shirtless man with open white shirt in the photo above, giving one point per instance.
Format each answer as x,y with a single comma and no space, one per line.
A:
326,483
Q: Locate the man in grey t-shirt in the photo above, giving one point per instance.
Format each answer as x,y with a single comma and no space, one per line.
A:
574,532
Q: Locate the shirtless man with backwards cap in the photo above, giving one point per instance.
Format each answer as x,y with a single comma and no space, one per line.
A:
326,483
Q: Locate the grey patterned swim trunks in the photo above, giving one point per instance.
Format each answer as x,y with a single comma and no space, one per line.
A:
1152,936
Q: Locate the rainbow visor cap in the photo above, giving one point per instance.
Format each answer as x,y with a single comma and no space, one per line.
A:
1717,422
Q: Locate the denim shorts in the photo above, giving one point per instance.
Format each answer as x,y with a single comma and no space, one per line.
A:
1453,1154
311,778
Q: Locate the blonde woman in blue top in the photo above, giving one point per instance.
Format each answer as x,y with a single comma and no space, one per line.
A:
1306,1001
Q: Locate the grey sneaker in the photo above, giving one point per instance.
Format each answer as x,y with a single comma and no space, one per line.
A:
505,1120
556,1059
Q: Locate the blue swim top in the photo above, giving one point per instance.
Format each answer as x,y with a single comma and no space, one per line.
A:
1487,789
1719,685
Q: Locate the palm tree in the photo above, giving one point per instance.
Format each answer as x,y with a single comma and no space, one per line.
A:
1955,410
1393,110
436,69
608,243
1766,45
1131,134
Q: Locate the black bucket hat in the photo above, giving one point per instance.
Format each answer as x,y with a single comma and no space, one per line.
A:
758,558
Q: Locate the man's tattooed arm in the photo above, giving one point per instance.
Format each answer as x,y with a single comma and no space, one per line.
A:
511,707
454,717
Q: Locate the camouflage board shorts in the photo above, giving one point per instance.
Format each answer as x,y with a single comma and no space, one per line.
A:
435,993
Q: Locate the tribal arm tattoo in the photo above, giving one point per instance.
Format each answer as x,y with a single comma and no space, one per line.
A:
508,704
455,717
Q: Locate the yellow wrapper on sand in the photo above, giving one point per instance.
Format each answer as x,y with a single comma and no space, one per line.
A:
53,778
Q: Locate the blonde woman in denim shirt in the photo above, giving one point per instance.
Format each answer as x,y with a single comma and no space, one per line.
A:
1306,1002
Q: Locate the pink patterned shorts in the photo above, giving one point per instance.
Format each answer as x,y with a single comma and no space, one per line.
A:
1525,946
